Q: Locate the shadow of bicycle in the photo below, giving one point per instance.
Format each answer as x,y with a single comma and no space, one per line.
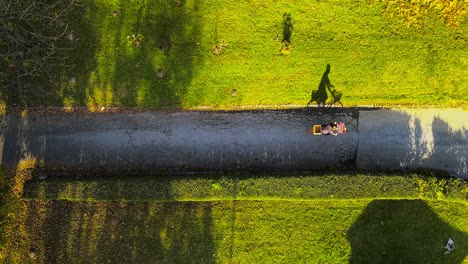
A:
325,88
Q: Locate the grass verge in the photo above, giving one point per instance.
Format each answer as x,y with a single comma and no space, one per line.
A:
355,218
239,187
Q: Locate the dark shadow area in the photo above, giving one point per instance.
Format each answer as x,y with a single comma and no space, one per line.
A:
111,187
106,63
10,133
320,96
5,206
115,232
287,33
52,42
158,71
17,139
287,28
70,89
454,152
403,231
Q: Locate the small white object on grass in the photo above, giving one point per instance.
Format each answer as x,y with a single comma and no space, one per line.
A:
449,246
160,73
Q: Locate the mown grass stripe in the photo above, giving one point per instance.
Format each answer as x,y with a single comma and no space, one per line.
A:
236,187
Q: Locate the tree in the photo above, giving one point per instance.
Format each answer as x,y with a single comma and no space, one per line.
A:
32,35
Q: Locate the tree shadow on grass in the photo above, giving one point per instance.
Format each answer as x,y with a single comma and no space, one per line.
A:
157,71
106,68
55,231
287,27
53,42
403,231
287,33
70,91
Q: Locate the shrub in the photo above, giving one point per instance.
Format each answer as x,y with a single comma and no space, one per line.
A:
414,12
135,40
218,49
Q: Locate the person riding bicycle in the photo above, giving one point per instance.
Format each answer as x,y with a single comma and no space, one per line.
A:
330,129
333,128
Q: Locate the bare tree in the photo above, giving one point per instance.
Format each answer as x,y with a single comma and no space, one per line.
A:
33,36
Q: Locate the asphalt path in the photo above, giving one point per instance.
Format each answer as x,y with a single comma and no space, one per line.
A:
246,141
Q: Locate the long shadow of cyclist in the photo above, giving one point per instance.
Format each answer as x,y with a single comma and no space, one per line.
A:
320,96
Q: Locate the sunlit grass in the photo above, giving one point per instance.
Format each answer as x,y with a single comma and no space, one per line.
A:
375,60
244,231
14,211
2,107
166,54
300,219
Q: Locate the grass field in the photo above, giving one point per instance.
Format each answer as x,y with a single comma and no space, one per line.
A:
336,231
355,218
225,55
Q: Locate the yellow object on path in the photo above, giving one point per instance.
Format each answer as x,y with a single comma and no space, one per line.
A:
317,130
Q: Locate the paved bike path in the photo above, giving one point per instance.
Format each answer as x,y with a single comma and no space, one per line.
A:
237,140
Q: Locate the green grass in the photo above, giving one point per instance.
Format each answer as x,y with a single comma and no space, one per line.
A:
339,231
375,60
238,187
356,218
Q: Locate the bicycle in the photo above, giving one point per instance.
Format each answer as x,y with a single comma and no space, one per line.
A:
336,101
